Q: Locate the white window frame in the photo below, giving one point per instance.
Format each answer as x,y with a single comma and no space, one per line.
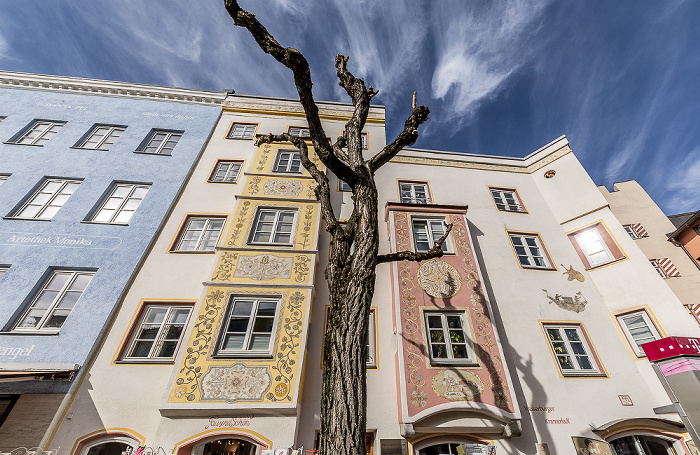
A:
343,186
47,129
465,329
199,248
228,173
55,302
49,202
242,131
501,199
654,263
587,348
446,245
112,130
593,232
294,156
410,187
372,339
528,253
3,270
161,148
160,338
299,131
275,227
3,178
246,351
124,201
622,320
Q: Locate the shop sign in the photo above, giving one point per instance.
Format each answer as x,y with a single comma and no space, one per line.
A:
59,240
476,449
666,348
218,422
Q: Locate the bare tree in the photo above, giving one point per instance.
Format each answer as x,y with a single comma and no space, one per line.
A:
350,272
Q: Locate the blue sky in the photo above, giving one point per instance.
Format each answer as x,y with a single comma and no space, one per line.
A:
620,79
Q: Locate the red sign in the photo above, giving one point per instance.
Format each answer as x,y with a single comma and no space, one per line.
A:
666,348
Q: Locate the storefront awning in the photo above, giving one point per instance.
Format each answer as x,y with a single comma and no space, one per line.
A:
13,372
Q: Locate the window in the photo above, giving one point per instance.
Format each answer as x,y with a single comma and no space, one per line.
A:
288,161
3,178
242,131
52,305
343,186
273,226
507,200
638,330
414,193
160,142
372,339
635,231
38,132
298,131
249,326
158,332
121,204
664,267
571,350
529,250
595,246
426,232
226,172
448,341
200,234
3,269
46,201
101,137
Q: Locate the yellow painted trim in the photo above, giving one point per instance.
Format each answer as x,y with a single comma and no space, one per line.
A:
553,267
584,214
230,125
517,194
173,241
614,315
616,261
131,326
244,432
602,374
642,427
427,184
108,431
216,163
294,114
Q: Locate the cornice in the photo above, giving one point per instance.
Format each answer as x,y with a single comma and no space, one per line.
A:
28,81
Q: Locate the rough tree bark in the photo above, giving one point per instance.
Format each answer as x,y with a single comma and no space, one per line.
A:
350,272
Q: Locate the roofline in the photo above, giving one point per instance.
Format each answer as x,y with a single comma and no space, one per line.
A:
684,226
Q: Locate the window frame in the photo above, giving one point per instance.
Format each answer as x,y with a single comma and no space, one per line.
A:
612,248
32,126
146,143
654,263
215,170
135,328
55,302
343,186
92,131
4,177
590,352
243,136
413,198
114,187
177,242
506,205
287,170
471,358
48,203
219,352
549,263
304,131
447,244
273,232
3,270
629,338
628,228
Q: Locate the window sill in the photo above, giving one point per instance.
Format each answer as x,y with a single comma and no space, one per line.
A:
17,143
102,223
240,138
139,152
230,183
606,263
83,148
144,362
456,363
579,374
243,355
530,267
514,211
31,332
191,252
287,245
24,219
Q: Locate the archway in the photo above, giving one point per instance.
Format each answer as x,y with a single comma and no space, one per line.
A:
110,445
642,444
226,445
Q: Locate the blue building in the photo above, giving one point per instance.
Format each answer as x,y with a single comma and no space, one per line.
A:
88,172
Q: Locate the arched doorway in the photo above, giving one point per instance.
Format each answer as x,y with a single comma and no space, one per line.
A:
642,445
447,448
226,445
110,445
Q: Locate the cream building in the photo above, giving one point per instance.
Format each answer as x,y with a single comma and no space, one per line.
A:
526,333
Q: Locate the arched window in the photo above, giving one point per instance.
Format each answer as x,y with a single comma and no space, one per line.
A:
110,445
642,445
226,445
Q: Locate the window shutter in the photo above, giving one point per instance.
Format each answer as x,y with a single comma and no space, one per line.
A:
667,266
639,230
694,311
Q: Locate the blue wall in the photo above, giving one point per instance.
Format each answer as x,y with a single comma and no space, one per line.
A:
115,251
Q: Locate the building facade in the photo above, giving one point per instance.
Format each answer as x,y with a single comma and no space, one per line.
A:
89,171
526,333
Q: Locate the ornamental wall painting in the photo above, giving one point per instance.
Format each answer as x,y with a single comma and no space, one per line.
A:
450,283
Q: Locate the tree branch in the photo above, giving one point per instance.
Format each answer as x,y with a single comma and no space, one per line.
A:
361,97
295,61
341,143
407,137
323,190
434,252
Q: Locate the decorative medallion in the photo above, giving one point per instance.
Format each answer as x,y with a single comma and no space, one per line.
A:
283,187
550,173
457,385
439,279
281,390
264,267
235,383
573,274
577,303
